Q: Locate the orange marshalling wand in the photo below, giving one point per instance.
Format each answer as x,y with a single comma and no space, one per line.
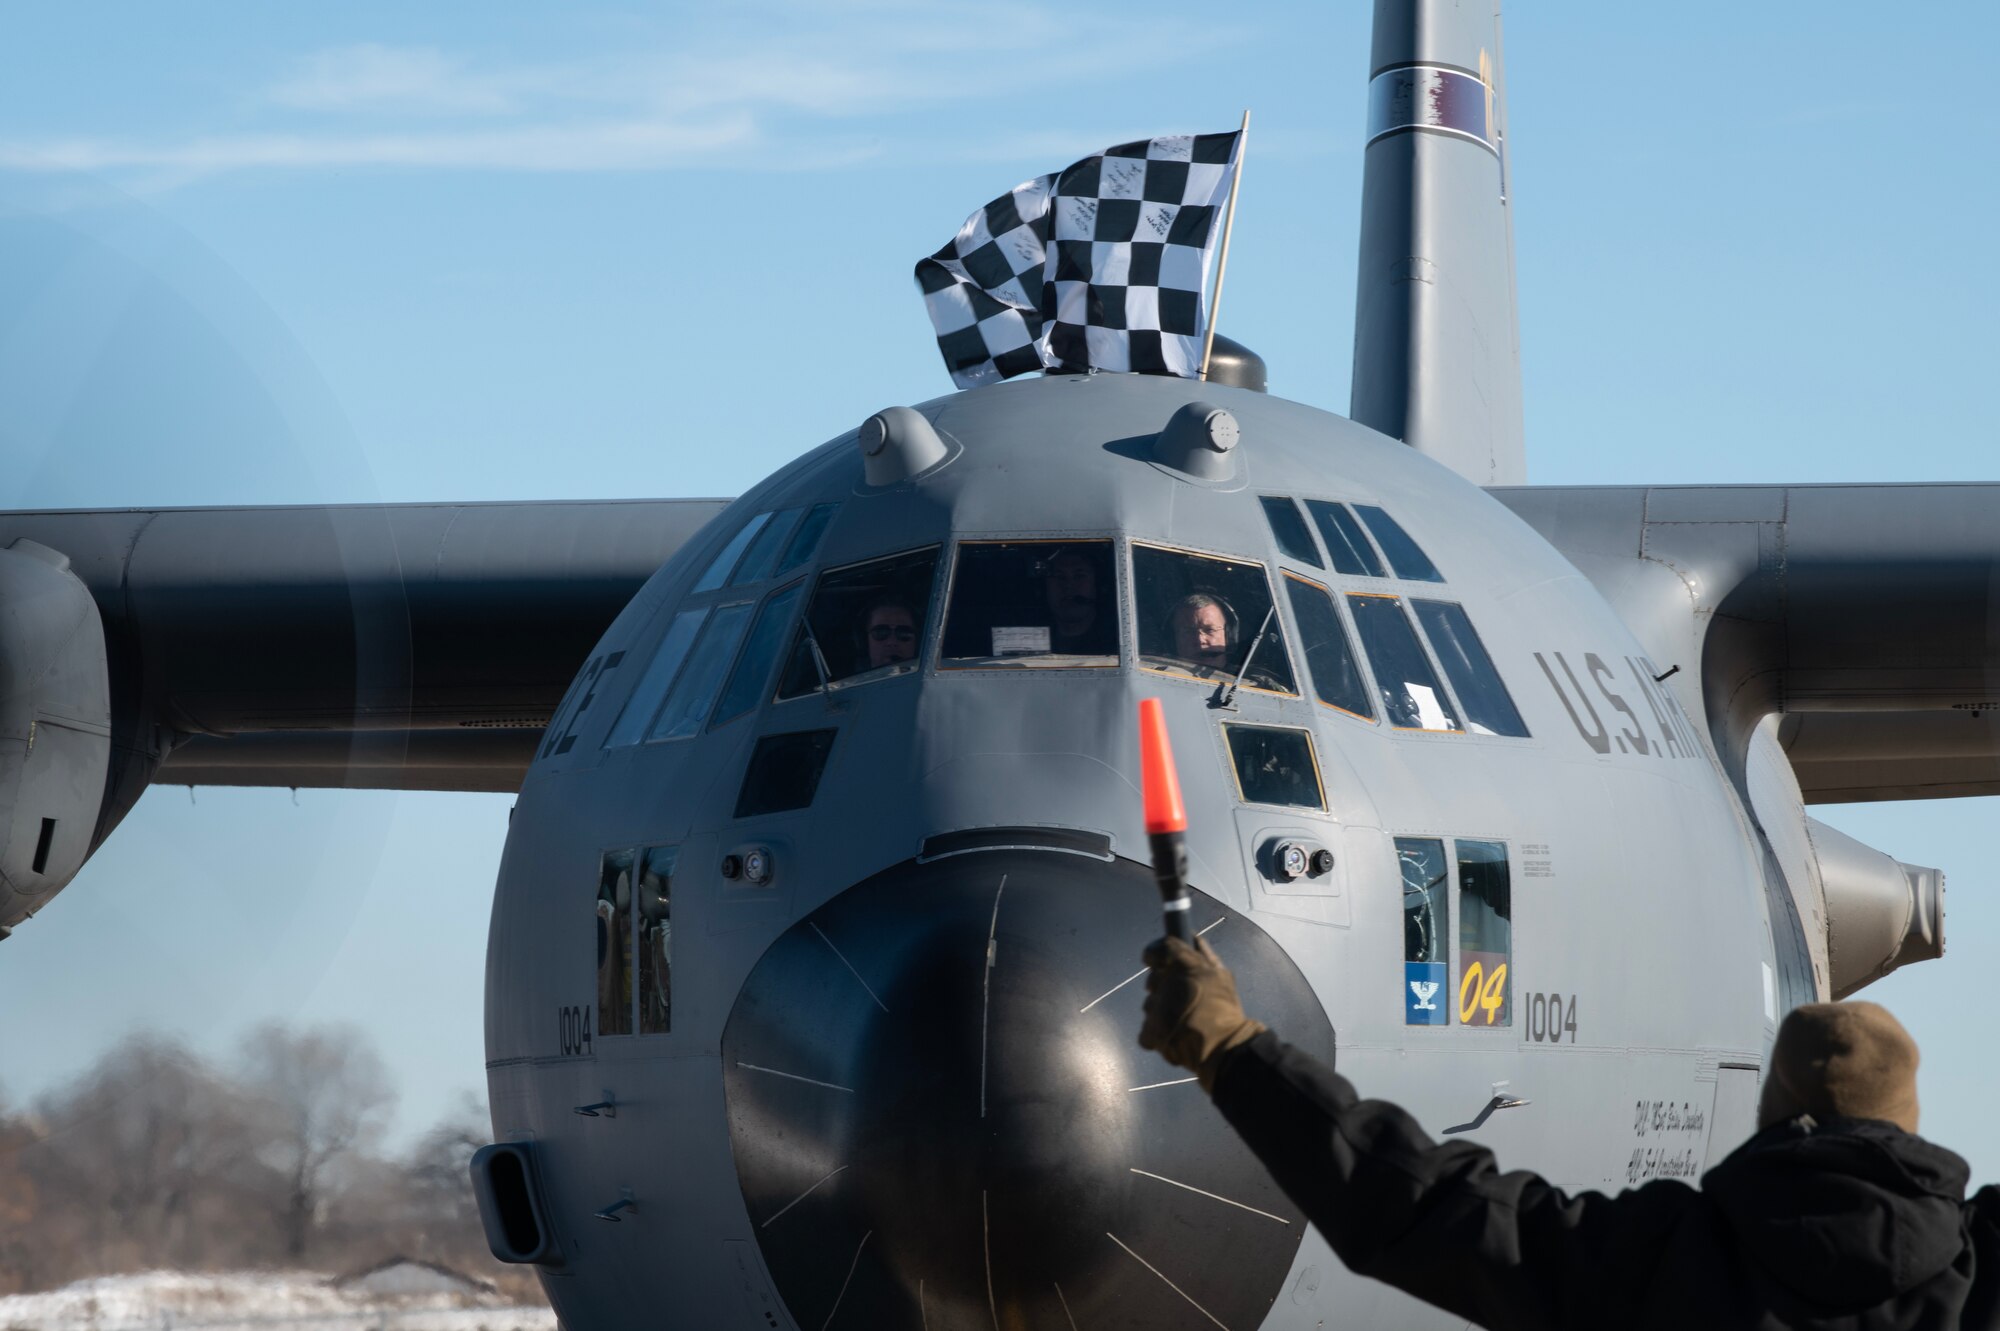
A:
1166,816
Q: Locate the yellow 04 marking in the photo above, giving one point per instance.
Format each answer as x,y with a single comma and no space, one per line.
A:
1473,995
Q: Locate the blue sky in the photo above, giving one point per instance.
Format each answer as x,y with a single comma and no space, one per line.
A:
497,251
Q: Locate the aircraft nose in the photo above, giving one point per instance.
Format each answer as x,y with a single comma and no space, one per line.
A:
941,1118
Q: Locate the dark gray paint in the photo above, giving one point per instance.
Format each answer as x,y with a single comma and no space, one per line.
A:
409,646
55,725
1866,614
1647,852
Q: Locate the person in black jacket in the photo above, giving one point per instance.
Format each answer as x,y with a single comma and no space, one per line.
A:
1834,1215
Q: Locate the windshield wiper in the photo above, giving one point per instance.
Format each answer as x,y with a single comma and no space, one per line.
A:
1227,697
818,657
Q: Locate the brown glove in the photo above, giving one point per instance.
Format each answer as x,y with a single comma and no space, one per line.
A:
1193,1016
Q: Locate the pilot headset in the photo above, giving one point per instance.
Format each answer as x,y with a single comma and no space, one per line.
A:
1231,625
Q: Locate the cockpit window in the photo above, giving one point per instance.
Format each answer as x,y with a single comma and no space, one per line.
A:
660,673
1489,708
1346,543
866,622
784,772
762,555
1032,603
1202,617
1412,698
1330,659
1289,530
1274,765
747,683
805,541
694,692
1405,555
720,567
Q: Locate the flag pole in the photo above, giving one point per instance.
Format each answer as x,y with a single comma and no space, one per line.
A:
1222,260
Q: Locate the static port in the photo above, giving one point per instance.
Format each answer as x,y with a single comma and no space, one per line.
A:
1322,862
757,866
1292,861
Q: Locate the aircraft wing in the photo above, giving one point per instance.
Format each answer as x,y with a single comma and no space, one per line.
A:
406,646
1867,615
403,646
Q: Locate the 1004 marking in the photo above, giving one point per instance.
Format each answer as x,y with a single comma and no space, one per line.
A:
1549,1020
573,1030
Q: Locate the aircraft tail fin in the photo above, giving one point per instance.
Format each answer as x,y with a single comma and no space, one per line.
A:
1436,342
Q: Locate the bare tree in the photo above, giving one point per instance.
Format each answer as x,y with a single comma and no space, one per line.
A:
19,1202
148,1157
152,1158
325,1098
438,1176
438,1190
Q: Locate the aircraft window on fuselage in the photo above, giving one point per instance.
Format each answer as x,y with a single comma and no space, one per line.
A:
747,683
1201,617
614,944
1489,708
1274,765
667,660
694,692
1289,530
1426,930
865,622
593,679
1412,697
1031,603
784,772
1330,660
653,924
1346,544
805,541
1405,555
1485,934
720,567
759,560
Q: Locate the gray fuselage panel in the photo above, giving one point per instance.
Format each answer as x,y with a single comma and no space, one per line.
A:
1626,959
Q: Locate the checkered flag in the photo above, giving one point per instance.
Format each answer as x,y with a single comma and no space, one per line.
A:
1101,266
984,288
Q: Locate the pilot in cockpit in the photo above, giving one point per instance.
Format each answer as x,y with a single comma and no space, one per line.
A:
1077,624
888,634
1205,631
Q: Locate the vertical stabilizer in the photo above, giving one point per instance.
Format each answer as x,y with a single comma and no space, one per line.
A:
1436,345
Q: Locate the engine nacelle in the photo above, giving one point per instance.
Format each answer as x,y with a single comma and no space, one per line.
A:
55,726
1880,913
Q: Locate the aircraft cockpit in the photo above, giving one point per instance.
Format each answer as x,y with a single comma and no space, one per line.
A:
1333,618
863,713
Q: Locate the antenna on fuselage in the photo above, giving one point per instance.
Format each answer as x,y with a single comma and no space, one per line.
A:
1437,359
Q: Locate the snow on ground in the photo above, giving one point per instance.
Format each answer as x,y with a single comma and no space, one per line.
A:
296,1300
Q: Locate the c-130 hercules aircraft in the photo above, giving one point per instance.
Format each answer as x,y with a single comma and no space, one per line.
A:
810,987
